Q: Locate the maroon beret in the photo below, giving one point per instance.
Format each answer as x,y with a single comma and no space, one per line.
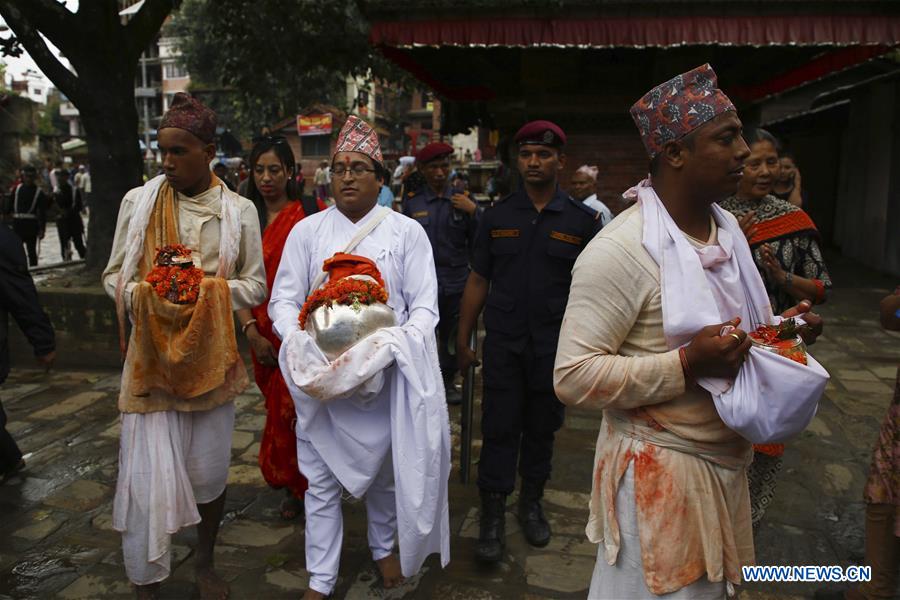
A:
544,133
188,113
432,151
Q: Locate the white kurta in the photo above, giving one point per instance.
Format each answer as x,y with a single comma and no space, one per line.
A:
354,433
400,248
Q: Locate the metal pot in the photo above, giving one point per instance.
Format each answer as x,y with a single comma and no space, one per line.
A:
338,328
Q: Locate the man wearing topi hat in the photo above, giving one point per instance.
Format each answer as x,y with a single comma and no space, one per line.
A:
652,333
175,445
372,421
524,253
450,218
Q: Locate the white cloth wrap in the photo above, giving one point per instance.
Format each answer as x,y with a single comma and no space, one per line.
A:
169,462
772,398
419,435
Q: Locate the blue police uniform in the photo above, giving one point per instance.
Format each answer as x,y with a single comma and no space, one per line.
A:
528,258
452,234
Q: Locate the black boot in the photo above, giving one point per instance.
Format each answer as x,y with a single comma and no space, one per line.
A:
531,515
492,532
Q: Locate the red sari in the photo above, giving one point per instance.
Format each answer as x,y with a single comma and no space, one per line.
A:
278,449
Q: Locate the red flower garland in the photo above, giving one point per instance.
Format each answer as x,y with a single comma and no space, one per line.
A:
346,291
177,281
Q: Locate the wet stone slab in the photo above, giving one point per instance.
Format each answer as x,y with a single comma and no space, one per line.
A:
79,496
69,406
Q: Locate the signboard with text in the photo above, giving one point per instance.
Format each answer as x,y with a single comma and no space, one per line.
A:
317,124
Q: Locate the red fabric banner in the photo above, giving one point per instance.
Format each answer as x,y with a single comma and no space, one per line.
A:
643,31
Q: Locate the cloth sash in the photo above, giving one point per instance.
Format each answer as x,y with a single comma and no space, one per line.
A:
155,211
731,456
185,350
772,398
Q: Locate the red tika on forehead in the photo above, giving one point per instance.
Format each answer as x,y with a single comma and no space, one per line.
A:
675,108
358,136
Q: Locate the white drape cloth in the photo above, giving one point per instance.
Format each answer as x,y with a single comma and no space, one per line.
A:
773,398
385,394
169,462
418,436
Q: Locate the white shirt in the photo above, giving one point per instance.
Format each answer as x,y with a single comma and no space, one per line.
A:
605,214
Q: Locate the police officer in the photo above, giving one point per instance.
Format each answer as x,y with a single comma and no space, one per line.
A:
29,205
524,253
450,219
69,225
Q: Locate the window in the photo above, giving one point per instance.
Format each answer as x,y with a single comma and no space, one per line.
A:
174,70
315,145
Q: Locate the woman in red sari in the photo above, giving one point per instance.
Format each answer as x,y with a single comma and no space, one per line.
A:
272,188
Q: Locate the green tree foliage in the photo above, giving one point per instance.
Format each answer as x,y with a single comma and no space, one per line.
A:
271,58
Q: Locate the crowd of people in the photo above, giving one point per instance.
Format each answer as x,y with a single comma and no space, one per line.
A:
643,314
54,193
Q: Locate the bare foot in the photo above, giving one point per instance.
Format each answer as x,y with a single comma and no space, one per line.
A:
212,587
312,594
390,571
147,592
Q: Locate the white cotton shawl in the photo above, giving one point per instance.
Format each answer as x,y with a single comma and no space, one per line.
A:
772,398
419,435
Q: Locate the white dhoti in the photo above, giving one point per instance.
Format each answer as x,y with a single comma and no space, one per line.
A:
625,579
169,462
324,520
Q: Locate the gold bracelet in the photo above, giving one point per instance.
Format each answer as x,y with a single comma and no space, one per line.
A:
246,325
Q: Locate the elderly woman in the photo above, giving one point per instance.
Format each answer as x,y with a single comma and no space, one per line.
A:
785,246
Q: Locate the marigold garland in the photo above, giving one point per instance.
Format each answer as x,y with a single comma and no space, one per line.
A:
347,291
175,278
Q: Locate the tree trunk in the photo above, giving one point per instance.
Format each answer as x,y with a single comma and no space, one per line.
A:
111,128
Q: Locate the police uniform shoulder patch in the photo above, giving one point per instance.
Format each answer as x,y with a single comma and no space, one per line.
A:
421,213
410,194
566,237
585,208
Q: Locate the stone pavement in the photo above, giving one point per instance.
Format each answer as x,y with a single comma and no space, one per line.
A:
57,539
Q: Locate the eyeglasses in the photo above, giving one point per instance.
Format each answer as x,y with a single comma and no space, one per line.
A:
357,170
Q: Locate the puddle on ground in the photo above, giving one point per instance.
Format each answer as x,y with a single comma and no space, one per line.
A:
37,573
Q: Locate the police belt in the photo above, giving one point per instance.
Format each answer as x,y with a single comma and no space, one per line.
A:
24,216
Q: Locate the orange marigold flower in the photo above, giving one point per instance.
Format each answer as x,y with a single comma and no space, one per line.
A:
177,281
346,291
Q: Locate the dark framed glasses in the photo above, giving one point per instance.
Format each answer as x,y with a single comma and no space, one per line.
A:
356,170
